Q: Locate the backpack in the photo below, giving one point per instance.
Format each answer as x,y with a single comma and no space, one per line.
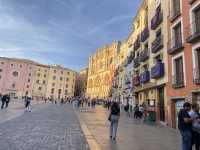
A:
196,125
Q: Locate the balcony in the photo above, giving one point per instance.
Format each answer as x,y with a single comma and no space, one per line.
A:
196,75
157,44
137,43
144,55
177,81
145,77
176,45
136,62
193,32
157,71
157,20
145,34
136,80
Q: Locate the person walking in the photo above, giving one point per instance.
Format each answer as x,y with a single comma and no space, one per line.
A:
7,100
136,111
114,119
194,114
3,100
28,103
185,126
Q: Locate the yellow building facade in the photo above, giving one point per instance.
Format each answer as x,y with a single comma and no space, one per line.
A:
101,70
150,50
61,82
40,81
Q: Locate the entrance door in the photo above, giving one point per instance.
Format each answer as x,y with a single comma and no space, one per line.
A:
162,103
179,106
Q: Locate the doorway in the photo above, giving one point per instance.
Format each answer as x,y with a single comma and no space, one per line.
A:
162,103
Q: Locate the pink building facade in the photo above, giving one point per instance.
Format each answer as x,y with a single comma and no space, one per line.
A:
16,77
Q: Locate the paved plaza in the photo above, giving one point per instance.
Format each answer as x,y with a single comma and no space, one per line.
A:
60,127
132,135
48,127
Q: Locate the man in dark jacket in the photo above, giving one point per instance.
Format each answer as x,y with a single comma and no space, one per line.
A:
185,126
7,100
3,100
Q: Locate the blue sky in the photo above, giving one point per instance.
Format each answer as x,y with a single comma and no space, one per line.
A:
63,32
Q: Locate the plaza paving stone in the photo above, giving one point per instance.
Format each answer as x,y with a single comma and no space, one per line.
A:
50,127
132,135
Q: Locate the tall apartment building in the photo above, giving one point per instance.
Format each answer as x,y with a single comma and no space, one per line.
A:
150,53
183,56
100,71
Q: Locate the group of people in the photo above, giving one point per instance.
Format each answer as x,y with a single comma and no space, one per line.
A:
5,100
189,126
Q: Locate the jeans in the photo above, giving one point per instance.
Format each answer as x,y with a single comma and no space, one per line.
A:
113,126
186,139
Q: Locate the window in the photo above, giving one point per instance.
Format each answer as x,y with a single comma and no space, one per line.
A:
178,79
197,19
40,88
13,85
11,65
20,66
67,79
15,73
26,93
66,85
2,63
59,91
68,73
61,78
45,75
54,77
45,70
39,69
61,72
29,80
30,68
44,82
66,92
0,76
176,8
177,33
1,70
38,81
52,91
53,84
196,71
27,86
29,74
38,74
54,71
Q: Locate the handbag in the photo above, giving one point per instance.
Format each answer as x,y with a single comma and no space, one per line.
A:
109,117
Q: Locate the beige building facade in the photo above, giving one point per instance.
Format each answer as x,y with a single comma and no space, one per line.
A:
40,82
61,82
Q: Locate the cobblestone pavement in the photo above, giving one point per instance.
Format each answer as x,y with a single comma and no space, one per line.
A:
132,135
53,127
